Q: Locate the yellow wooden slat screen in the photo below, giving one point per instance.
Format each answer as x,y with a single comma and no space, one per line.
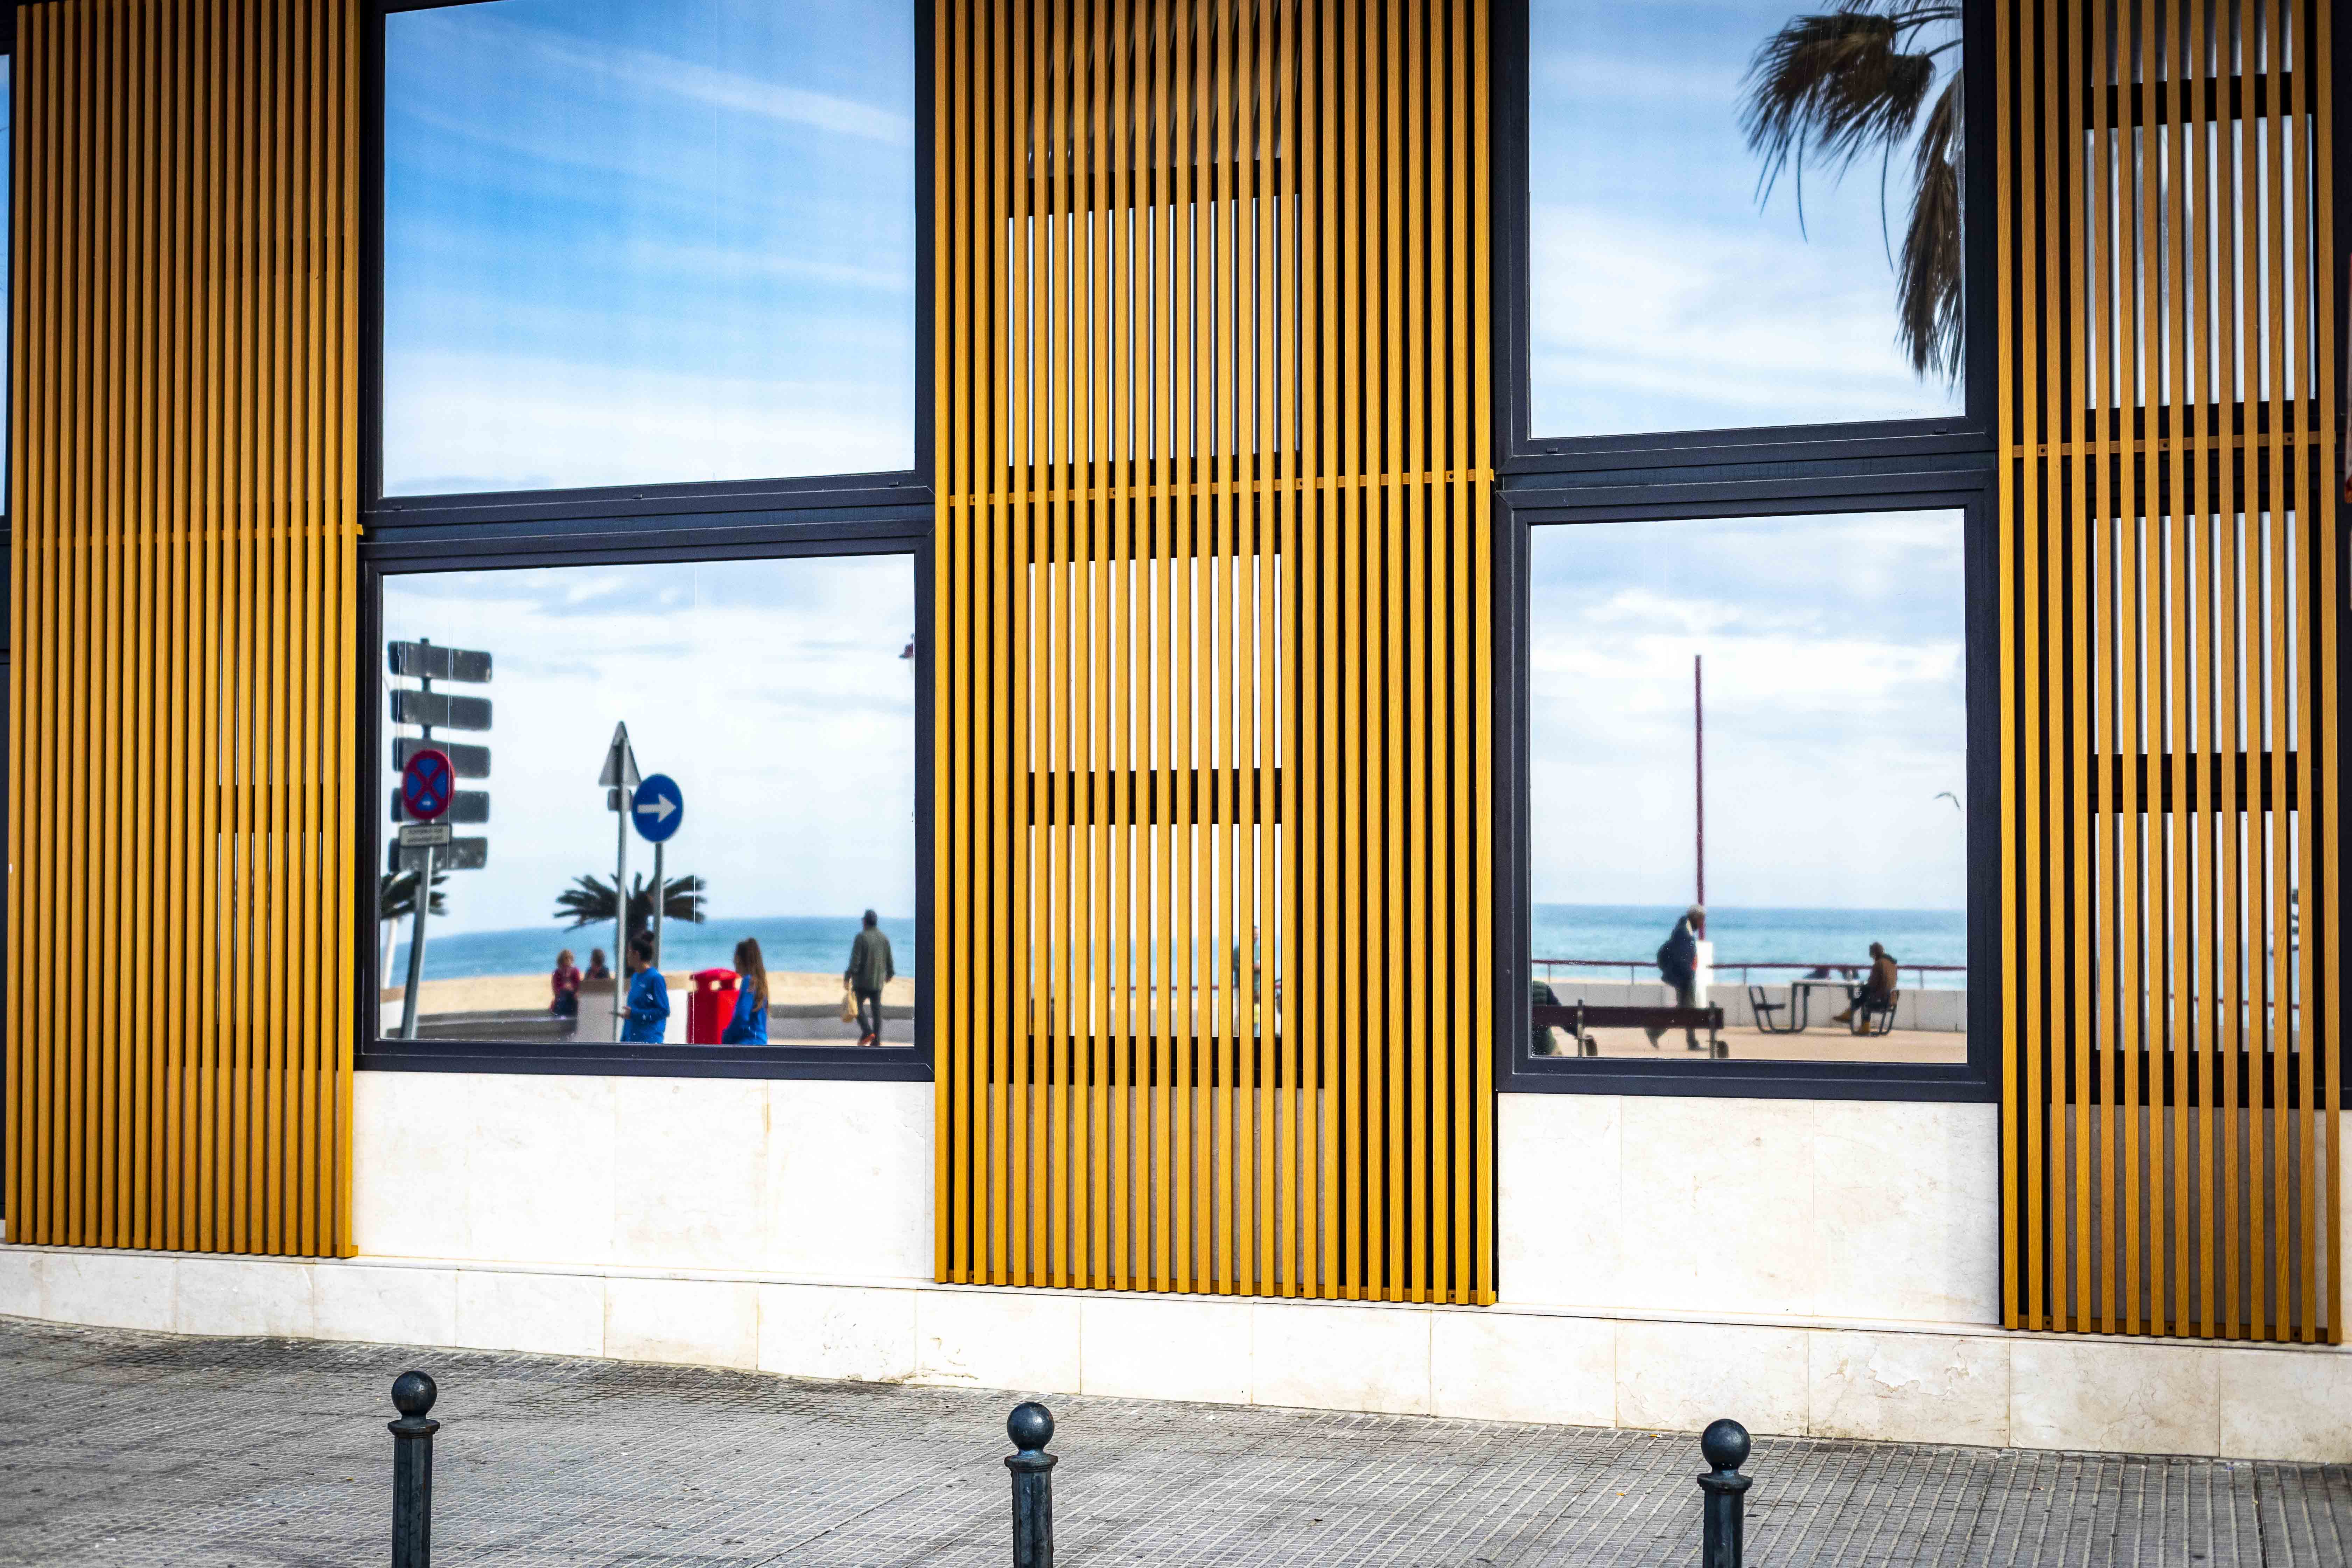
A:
1214,854
181,491
2167,392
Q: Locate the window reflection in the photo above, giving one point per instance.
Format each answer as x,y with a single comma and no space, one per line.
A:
776,697
1749,774
628,243
1742,213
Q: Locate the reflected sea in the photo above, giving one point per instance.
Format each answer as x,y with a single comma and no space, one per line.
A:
1621,933
789,944
1631,934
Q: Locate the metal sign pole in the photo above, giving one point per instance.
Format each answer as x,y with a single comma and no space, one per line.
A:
416,948
408,1008
661,896
621,911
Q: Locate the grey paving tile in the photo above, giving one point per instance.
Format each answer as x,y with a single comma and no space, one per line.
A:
144,1448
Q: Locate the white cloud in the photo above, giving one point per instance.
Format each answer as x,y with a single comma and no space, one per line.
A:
521,46
1836,711
497,421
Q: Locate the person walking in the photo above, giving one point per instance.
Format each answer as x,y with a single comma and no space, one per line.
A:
563,985
869,970
1678,967
749,1026
648,1003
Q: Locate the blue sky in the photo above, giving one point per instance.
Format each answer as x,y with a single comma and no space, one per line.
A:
771,690
631,243
1665,297
1836,711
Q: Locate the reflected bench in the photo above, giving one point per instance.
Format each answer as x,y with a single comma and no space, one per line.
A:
1578,1017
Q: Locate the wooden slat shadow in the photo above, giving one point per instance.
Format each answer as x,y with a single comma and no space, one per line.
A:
2173,1059
1215,867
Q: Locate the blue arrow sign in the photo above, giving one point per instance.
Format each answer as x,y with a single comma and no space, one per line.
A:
660,806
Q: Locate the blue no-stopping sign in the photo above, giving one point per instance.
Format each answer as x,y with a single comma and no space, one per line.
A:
660,806
428,782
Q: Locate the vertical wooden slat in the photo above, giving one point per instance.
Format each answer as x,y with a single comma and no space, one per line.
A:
1220,735
2173,277
182,308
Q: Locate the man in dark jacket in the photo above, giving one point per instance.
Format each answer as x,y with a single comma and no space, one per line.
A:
1878,990
869,970
1678,967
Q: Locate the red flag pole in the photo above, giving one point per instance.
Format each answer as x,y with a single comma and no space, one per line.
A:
1698,771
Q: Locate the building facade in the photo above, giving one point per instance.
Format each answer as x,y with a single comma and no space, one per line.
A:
1278,545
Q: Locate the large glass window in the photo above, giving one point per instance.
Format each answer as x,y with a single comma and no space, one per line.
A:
1742,213
1747,774
633,243
775,698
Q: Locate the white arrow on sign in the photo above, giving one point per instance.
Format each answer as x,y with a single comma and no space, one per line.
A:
661,806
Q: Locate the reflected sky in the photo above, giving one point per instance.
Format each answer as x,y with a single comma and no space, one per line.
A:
1665,297
627,242
772,691
1836,711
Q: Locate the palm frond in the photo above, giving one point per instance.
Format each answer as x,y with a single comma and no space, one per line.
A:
1829,88
589,901
1929,277
1833,87
395,895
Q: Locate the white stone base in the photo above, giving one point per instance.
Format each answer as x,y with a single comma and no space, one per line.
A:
1894,1381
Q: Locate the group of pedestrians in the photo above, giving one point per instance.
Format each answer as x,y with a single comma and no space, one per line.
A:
646,1002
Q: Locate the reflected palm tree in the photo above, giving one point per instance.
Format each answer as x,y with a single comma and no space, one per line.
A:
1876,75
589,901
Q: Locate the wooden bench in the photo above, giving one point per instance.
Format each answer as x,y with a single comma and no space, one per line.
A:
1578,1016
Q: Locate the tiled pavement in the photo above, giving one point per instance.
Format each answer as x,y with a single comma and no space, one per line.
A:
136,1448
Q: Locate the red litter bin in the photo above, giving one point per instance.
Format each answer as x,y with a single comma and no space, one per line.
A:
710,1005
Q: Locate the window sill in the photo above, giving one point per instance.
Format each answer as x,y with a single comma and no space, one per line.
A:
887,1064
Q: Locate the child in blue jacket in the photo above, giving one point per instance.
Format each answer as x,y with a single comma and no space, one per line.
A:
648,1001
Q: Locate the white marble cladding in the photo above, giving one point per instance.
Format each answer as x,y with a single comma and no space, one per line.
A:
1740,1208
1889,1382
792,1176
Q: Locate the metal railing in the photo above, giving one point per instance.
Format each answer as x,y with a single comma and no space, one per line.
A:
1637,970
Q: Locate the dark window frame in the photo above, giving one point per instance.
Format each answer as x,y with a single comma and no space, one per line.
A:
827,515
1937,464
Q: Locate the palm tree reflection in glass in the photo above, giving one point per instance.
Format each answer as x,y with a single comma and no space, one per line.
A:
1874,77
589,901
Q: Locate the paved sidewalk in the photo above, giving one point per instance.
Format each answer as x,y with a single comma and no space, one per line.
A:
137,1449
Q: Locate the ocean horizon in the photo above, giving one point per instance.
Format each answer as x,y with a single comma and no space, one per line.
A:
1597,934
1631,934
789,944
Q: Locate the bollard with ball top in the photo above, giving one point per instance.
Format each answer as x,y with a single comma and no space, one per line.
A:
412,1470
1725,1445
1030,1428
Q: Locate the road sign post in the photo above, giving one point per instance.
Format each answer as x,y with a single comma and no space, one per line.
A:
620,778
428,784
429,789
658,809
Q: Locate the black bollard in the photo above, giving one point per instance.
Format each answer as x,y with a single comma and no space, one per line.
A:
1030,1428
1725,1445
412,1470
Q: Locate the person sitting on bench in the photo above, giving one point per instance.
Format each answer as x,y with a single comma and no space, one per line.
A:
1877,993
1678,967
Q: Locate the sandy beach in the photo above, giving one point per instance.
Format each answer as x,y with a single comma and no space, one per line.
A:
515,993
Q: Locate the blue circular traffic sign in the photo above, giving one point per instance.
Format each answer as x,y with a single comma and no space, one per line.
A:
428,784
660,808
